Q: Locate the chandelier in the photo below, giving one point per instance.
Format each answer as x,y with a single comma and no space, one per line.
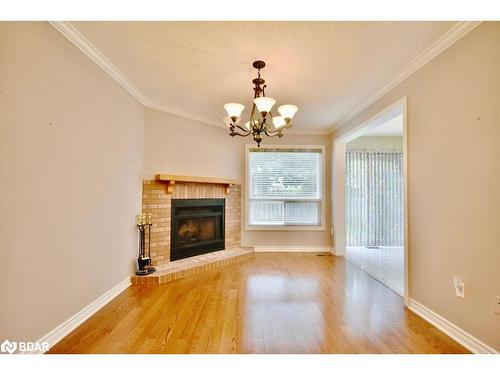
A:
261,116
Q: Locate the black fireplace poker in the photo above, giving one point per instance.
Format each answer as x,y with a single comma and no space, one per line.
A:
144,266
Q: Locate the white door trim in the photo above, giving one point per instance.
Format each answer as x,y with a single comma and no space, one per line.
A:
338,191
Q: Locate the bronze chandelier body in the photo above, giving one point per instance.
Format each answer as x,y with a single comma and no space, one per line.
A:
261,120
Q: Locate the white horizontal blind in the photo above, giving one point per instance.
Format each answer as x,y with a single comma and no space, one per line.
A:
285,186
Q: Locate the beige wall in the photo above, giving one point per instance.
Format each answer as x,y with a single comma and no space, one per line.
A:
454,180
71,165
176,145
71,149
376,143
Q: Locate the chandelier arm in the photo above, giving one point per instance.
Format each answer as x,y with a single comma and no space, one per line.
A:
263,124
276,133
270,113
251,115
242,129
233,133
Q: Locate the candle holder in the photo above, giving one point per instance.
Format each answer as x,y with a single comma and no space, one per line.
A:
144,266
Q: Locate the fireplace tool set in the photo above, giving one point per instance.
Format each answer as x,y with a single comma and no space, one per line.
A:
144,266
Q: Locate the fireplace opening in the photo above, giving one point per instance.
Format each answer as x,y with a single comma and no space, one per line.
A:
197,227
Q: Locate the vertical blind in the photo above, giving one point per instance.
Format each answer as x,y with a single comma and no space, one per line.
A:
374,198
284,186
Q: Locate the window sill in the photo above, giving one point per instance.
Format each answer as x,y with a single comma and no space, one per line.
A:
279,228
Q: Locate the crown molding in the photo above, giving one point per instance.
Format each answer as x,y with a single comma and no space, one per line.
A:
84,45
308,131
204,120
457,32
185,114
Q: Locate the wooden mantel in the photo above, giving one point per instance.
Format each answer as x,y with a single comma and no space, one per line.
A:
171,179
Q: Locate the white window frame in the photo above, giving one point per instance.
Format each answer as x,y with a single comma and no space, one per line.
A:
320,227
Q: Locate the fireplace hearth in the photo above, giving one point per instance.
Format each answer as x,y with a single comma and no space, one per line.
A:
197,227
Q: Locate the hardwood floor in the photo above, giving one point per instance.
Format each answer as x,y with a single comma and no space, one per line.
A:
275,303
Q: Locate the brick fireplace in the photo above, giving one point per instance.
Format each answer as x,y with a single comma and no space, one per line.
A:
157,196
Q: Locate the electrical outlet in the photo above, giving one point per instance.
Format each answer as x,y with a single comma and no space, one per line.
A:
459,287
496,305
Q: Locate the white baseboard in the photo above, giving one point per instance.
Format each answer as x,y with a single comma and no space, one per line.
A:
63,329
337,253
458,334
292,249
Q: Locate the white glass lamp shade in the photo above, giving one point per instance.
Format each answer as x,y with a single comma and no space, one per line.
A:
278,122
234,110
264,104
287,111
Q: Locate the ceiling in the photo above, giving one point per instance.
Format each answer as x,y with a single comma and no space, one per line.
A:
325,68
391,128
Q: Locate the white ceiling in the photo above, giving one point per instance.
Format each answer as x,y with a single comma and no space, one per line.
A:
325,68
391,128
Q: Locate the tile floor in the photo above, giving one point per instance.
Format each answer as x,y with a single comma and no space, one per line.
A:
386,264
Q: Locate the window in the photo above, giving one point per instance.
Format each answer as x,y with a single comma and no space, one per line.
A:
285,186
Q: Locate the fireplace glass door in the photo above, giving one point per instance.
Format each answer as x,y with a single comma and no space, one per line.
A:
196,230
197,227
